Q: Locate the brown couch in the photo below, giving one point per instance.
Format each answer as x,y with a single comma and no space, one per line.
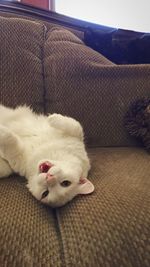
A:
48,67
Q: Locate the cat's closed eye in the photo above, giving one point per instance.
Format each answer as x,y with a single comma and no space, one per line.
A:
45,194
65,183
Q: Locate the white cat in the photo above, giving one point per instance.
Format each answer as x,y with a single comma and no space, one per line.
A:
48,150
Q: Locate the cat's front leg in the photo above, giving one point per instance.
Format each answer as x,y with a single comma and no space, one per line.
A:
11,149
68,125
5,169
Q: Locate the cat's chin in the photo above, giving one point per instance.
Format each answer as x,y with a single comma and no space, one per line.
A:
56,204
53,205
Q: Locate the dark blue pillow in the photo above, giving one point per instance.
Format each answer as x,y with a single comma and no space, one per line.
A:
120,46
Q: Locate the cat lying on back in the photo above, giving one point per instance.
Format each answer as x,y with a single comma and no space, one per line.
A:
48,150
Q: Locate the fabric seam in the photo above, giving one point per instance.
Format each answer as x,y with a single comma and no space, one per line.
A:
57,224
43,68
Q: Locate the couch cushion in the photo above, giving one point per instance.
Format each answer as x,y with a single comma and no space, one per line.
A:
111,227
28,230
107,228
85,85
21,72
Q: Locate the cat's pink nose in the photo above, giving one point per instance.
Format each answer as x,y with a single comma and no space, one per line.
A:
49,177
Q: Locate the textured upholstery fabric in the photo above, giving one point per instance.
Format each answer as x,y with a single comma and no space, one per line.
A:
49,25
83,84
107,228
21,72
28,230
112,226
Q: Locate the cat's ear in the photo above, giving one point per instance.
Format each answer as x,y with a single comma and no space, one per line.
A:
85,186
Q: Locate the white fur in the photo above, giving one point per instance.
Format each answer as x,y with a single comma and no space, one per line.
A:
28,139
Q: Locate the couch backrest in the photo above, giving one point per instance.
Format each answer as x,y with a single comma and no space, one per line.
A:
51,69
85,85
21,68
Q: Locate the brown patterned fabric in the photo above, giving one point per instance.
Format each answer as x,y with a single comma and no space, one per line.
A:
21,71
83,84
28,230
112,226
49,25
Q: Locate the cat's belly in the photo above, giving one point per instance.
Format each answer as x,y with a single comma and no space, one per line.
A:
56,149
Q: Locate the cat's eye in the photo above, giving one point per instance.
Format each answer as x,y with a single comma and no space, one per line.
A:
65,183
45,194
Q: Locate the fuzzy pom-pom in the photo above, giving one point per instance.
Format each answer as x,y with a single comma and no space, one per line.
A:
137,121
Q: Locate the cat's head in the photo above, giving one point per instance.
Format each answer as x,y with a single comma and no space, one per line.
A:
55,186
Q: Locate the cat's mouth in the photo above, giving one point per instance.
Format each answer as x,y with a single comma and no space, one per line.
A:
45,166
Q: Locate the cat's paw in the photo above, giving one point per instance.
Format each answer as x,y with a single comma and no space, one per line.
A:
5,169
55,120
4,133
67,125
7,137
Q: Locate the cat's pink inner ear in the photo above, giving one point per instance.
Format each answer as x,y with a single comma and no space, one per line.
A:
85,186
